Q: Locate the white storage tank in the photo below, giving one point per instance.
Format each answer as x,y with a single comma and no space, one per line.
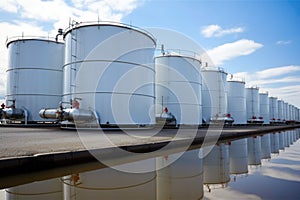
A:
286,111
238,154
266,146
214,94
216,165
236,100
254,150
40,190
264,107
109,69
293,112
275,143
178,88
273,107
280,111
34,77
297,114
111,184
180,178
290,112
252,105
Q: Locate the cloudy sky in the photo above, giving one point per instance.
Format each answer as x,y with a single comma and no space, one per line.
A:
258,40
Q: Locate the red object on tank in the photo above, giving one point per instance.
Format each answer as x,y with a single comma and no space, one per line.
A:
166,110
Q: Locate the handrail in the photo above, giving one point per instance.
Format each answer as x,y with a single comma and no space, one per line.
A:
179,52
45,38
75,24
233,77
220,69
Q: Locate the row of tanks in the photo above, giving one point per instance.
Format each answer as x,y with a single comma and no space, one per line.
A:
103,74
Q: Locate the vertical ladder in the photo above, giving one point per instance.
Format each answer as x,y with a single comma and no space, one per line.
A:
16,70
73,65
220,86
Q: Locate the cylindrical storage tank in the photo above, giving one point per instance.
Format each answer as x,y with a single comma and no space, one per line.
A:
284,111
273,108
178,88
214,95
280,111
180,178
236,101
294,112
254,150
111,184
216,165
264,107
281,140
275,143
290,112
34,75
286,108
297,114
252,103
238,156
265,146
41,190
109,69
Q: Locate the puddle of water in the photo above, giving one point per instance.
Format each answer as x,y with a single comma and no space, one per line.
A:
262,167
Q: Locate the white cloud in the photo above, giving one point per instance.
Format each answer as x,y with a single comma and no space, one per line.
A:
283,42
272,72
266,79
268,76
232,50
9,6
57,13
290,94
217,31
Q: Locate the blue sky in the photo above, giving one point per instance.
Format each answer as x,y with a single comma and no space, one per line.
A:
259,40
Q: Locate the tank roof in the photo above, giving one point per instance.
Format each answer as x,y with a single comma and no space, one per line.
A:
76,25
27,38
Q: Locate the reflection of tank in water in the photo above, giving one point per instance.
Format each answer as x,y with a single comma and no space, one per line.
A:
238,156
41,190
281,140
275,143
254,150
265,146
180,178
216,166
109,183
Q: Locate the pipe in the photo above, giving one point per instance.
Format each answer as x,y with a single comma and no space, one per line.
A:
13,113
60,32
73,114
70,114
49,113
